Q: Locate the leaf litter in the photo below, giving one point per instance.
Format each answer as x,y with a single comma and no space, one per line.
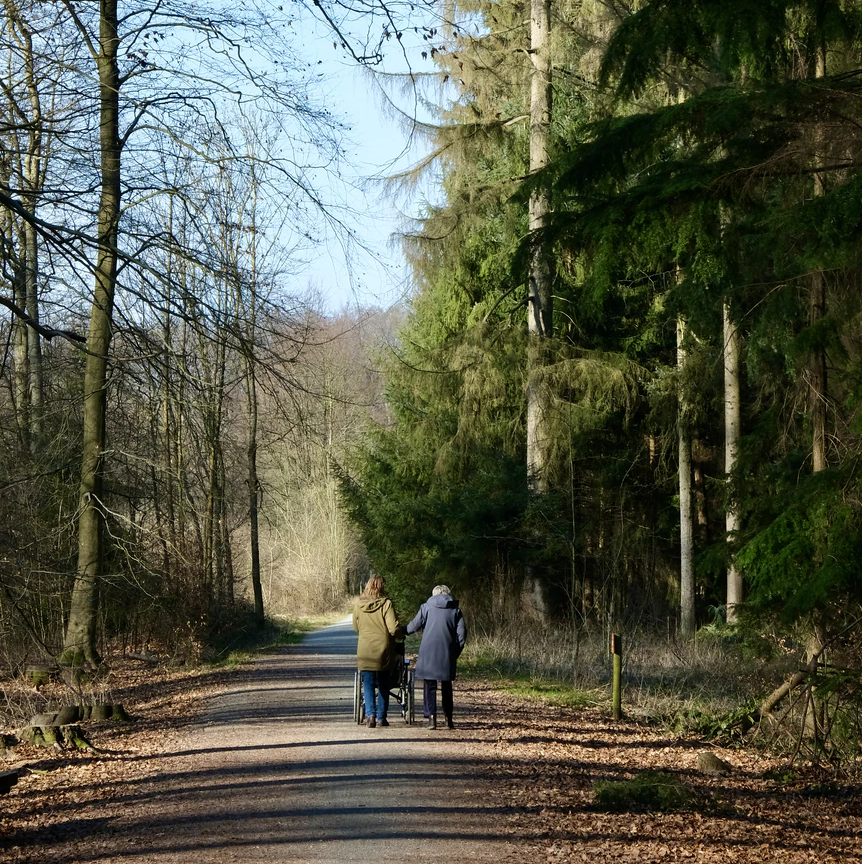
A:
544,763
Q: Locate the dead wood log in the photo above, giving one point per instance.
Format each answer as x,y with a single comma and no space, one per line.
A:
143,656
768,705
777,696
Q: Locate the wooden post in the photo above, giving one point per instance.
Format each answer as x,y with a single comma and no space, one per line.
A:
617,654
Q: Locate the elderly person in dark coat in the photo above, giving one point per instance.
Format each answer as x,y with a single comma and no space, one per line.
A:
443,636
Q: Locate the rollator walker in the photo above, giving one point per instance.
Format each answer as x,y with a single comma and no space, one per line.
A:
401,689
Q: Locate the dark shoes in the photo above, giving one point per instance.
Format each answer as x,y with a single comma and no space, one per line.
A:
370,722
432,723
383,722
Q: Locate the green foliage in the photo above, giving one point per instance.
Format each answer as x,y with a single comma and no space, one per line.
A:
711,167
548,692
805,558
648,790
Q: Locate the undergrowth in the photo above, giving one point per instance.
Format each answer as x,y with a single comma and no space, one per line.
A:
697,687
649,790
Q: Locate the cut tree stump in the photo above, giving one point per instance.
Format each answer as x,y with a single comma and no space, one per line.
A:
7,780
80,713
709,763
38,675
101,712
68,714
7,747
57,737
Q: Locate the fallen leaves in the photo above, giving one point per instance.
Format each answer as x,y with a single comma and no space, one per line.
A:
59,796
545,761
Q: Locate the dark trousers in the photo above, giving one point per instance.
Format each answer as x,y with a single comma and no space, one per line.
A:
430,694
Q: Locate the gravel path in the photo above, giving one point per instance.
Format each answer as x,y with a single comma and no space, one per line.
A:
279,772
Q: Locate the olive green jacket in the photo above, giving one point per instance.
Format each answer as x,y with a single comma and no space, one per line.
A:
376,624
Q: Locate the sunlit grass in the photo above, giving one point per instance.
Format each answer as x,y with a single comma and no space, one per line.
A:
554,693
688,687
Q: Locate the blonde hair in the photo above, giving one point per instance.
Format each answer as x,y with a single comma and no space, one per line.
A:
441,589
375,587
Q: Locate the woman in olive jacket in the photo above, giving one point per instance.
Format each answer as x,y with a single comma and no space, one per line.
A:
375,622
444,634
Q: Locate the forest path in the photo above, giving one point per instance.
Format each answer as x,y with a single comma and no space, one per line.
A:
278,771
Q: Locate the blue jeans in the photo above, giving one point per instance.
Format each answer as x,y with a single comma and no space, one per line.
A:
379,682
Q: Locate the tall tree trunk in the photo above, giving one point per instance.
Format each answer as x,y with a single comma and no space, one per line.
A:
80,642
540,278
21,356
686,544
253,490
251,392
14,231
33,173
819,394
700,503
540,308
169,408
34,343
731,449
817,310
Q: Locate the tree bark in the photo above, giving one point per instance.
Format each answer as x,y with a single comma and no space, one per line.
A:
33,173
253,492
817,310
686,550
21,356
731,449
80,642
699,487
540,303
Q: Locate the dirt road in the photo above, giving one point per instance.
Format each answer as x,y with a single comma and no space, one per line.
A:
279,772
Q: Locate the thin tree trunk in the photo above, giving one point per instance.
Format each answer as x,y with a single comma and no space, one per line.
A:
168,405
699,486
34,343
731,449
33,173
80,642
686,563
540,309
251,391
12,171
818,383
817,311
229,576
21,356
253,491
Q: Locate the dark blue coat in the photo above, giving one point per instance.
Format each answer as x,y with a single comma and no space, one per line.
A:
443,636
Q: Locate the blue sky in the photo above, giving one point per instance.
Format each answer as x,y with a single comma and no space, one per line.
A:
379,146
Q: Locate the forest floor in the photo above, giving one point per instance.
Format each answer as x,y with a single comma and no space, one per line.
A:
516,778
